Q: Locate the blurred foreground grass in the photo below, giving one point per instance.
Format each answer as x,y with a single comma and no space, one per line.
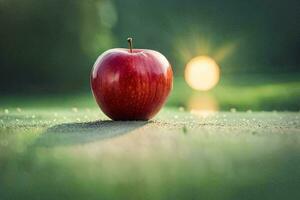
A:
63,147
67,153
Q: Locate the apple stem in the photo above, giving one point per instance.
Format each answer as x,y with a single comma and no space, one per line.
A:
129,40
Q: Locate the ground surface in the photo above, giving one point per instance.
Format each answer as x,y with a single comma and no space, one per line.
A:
77,153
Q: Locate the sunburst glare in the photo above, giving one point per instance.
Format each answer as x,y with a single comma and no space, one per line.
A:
202,73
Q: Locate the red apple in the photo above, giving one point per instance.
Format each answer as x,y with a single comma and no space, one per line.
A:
131,84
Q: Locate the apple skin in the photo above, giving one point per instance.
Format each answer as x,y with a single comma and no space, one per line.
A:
131,85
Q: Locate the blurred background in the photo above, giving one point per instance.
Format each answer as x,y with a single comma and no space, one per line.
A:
226,55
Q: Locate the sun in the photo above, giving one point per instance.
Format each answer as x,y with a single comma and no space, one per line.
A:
202,73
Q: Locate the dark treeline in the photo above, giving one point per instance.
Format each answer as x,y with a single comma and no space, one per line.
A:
51,45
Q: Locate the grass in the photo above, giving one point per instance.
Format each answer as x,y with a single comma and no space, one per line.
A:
63,147
246,94
67,153
242,95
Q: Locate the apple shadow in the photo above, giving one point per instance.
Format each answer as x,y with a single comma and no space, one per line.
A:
86,132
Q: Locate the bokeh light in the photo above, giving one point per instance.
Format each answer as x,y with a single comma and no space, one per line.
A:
202,73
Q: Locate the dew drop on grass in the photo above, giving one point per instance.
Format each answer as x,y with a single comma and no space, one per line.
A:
74,109
6,111
33,116
19,109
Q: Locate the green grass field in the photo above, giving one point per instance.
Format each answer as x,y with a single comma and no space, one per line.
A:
63,147
241,92
77,153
